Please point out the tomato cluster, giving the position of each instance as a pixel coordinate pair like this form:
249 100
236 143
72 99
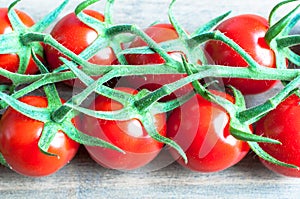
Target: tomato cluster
200 127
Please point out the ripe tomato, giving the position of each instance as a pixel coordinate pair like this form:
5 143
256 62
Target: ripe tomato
19 137
159 33
10 62
282 124
201 128
129 135
77 36
248 31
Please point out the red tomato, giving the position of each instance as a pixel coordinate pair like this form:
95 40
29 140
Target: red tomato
248 31
77 36
19 137
10 62
128 135
201 128
159 33
282 124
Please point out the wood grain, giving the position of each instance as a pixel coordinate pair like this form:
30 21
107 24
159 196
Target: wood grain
83 178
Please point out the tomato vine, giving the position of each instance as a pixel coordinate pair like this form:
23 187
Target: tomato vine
27 43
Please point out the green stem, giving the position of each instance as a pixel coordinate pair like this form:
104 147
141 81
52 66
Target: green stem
216 71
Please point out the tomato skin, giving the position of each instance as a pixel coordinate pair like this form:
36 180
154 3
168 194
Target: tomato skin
128 135
77 36
159 33
19 137
201 128
248 32
10 62
282 124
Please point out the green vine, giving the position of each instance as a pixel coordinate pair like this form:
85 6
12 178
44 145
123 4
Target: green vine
27 43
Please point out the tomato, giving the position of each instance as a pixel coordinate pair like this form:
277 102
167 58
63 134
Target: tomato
159 33
201 128
248 32
128 135
77 36
10 62
282 124
19 137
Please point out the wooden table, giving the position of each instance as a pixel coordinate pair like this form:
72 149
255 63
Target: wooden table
83 178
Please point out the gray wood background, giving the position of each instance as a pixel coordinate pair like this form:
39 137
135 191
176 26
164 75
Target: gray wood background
83 178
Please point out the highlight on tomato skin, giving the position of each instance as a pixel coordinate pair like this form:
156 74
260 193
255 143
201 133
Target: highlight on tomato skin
248 31
11 61
159 33
77 36
282 124
19 137
130 136
201 128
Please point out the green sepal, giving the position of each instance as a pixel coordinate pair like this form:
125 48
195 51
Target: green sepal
281 26
85 139
210 25
272 13
14 19
288 41
39 114
242 132
83 5
195 41
292 56
3 161
50 89
13 4
48 133
255 113
118 115
92 22
264 155
11 41
24 56
239 98
133 29
151 130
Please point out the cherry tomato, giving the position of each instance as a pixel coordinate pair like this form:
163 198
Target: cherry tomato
248 32
77 36
282 124
201 128
10 62
19 137
129 135
159 33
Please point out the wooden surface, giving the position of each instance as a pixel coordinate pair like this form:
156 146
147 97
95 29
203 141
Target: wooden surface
83 178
